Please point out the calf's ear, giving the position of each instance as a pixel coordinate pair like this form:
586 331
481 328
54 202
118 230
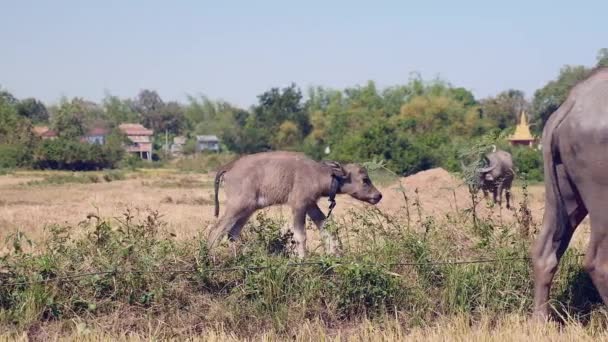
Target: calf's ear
336 169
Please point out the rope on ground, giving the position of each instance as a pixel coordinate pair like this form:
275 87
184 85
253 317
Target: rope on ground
263 267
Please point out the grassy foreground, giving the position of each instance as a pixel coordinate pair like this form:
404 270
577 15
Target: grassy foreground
459 328
140 282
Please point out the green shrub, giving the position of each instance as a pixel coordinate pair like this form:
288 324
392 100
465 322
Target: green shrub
74 155
365 289
528 162
13 156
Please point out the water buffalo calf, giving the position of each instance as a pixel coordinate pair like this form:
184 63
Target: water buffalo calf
272 178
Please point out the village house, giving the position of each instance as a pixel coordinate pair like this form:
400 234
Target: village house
96 136
140 138
45 132
177 147
207 143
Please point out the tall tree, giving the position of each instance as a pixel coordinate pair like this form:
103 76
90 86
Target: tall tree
70 119
148 101
505 108
33 109
7 97
553 94
157 115
274 108
119 111
602 57
13 128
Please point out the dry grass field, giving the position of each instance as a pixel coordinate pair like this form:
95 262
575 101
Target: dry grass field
185 200
31 202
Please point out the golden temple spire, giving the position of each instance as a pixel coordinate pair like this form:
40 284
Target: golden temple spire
522 131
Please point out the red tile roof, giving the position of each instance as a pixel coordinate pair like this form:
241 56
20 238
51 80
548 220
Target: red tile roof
98 131
44 131
135 129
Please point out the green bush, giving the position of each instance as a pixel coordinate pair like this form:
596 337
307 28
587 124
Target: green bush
528 162
77 156
12 156
365 289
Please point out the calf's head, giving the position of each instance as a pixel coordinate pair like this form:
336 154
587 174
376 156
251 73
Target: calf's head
356 182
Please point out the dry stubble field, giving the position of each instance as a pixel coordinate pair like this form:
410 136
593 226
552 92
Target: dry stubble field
185 200
29 203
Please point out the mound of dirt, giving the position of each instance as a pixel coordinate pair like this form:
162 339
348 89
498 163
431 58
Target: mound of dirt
436 178
435 192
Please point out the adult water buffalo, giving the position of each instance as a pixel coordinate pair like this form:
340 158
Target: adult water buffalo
574 145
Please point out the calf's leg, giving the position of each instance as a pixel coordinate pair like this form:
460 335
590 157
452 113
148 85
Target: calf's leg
231 222
299 229
329 238
243 217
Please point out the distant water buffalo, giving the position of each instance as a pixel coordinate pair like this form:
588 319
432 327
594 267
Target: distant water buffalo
574 145
497 176
264 179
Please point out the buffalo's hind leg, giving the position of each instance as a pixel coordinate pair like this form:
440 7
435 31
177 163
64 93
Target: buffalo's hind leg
596 258
552 242
231 224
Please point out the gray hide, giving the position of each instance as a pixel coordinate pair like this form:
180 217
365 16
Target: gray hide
497 176
273 178
574 145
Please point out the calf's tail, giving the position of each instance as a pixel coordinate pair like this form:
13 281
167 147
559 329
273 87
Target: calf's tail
218 179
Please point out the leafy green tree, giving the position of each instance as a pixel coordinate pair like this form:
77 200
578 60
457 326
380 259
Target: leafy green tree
383 140
16 137
602 57
287 136
553 94
366 97
504 109
431 113
275 107
7 98
33 110
157 115
119 111
464 96
148 101
70 120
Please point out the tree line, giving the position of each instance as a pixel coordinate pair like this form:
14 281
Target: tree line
414 126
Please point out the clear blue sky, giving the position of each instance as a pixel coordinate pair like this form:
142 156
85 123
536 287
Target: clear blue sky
235 50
